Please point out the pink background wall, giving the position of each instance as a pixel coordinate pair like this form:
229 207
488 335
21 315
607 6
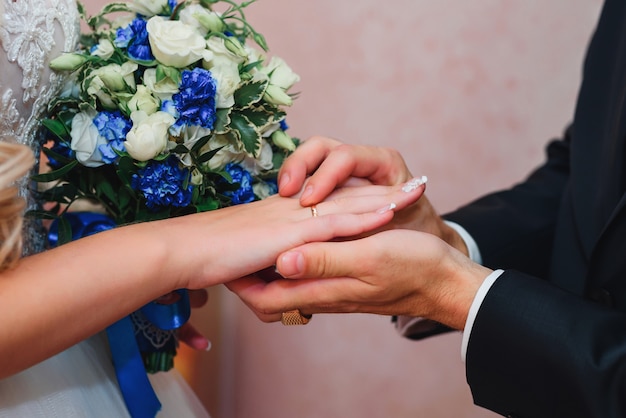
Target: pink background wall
469 91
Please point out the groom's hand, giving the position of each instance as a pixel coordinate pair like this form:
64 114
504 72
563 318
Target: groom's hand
330 164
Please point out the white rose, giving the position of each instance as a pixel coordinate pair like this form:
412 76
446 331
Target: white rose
86 140
148 136
117 78
228 80
104 49
143 100
149 8
98 89
164 89
202 19
224 67
281 74
175 43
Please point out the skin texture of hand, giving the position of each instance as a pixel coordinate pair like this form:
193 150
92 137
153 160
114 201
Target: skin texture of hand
389 273
74 291
331 164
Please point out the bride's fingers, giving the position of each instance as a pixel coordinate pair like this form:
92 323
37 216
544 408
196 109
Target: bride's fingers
189 335
368 198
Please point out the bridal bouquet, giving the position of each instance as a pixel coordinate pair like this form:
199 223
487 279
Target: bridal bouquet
170 108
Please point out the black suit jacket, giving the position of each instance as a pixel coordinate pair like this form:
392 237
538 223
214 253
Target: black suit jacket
550 337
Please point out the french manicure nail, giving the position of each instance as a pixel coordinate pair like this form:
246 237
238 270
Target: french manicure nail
387 208
414 184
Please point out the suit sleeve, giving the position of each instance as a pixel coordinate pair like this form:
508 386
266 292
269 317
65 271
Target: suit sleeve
538 351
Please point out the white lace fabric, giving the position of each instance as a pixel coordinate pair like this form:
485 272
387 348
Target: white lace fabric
80 381
31 33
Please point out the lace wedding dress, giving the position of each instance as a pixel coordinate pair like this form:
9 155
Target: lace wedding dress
79 382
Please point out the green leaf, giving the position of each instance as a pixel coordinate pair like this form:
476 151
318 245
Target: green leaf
125 171
57 128
200 143
65 230
207 205
61 193
250 93
222 121
258 116
56 174
180 149
248 133
207 156
40 214
62 159
107 190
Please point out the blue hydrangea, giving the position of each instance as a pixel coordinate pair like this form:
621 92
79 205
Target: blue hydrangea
134 38
195 100
244 194
113 126
162 184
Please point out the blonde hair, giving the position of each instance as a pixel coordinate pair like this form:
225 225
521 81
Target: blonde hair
15 161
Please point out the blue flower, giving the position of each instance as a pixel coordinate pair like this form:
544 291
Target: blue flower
113 126
283 125
195 101
172 4
134 38
244 194
162 184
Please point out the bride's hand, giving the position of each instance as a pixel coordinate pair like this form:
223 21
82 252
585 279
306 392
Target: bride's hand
321 164
233 242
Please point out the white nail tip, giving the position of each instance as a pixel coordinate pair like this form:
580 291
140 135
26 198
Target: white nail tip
414 184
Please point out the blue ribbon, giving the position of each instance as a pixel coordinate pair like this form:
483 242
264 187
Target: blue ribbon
139 396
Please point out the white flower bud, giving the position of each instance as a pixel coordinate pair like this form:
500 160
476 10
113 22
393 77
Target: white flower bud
282 140
143 100
68 62
148 136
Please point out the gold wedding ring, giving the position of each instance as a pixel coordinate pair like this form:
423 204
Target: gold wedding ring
314 211
295 317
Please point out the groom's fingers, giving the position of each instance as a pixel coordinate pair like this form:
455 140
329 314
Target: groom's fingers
325 260
304 161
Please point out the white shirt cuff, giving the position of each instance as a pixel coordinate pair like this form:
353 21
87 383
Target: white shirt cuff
471 315
472 247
